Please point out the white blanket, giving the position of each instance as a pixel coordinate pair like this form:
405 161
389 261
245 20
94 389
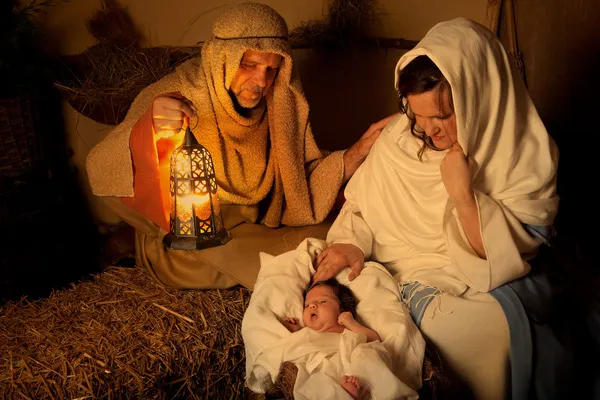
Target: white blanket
391 369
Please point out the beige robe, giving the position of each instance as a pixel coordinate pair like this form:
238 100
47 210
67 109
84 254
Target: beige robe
270 154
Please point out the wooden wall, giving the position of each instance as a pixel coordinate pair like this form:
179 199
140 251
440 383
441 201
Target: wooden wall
560 41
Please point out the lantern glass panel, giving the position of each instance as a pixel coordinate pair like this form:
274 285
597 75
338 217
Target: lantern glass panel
195 211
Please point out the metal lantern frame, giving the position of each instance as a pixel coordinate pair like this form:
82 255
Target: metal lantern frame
193 175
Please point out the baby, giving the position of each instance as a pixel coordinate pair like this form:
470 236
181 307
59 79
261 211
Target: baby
330 307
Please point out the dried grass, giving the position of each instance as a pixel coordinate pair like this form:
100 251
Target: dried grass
347 22
105 79
113 24
284 385
109 77
124 336
434 379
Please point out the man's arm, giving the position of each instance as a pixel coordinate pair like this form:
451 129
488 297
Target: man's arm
147 198
326 175
152 141
359 151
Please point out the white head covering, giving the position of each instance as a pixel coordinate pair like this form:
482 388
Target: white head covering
497 123
411 224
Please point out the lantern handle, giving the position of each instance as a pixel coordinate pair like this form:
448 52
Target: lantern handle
186 120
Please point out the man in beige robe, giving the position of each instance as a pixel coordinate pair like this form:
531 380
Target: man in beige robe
246 106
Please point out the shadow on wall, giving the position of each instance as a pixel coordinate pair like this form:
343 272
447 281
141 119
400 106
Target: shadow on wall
48 237
562 61
574 129
347 91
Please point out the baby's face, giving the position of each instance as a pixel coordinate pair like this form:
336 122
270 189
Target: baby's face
321 309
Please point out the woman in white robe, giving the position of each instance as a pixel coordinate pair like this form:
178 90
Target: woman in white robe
448 196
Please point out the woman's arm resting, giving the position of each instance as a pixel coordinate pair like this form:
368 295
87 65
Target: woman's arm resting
469 219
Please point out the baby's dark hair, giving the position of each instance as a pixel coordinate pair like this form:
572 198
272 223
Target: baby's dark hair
342 292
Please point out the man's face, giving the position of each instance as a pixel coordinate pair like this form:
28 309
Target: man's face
254 77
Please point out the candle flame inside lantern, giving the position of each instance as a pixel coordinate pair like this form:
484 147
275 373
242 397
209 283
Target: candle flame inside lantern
200 202
195 212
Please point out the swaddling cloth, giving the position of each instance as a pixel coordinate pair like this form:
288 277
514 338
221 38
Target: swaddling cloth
390 368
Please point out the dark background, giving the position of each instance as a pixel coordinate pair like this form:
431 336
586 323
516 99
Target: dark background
49 237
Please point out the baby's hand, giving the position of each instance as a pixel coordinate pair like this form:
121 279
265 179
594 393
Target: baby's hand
346 319
291 324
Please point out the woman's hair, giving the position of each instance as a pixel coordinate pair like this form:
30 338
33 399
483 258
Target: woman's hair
343 293
419 76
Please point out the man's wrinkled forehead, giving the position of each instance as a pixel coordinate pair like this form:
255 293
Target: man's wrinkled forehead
258 57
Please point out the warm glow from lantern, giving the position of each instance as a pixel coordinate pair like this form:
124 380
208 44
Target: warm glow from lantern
184 206
182 164
195 212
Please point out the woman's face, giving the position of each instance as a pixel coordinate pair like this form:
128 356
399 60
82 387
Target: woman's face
434 115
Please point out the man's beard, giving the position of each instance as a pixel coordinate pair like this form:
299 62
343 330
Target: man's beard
243 103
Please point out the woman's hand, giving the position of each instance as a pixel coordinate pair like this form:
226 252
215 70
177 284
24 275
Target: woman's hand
337 257
456 175
356 154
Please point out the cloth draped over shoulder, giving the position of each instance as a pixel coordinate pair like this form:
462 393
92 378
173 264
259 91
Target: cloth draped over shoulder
398 211
270 153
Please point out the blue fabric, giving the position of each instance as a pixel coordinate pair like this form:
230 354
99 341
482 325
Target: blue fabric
541 356
418 297
543 233
542 361
521 348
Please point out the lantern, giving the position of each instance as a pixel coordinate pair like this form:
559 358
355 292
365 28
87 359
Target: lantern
196 220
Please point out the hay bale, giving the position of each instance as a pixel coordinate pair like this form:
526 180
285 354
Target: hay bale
107 78
102 82
124 336
284 385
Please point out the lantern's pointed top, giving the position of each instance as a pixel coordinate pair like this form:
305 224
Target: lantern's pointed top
190 138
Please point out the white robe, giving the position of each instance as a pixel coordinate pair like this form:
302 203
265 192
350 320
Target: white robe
399 213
